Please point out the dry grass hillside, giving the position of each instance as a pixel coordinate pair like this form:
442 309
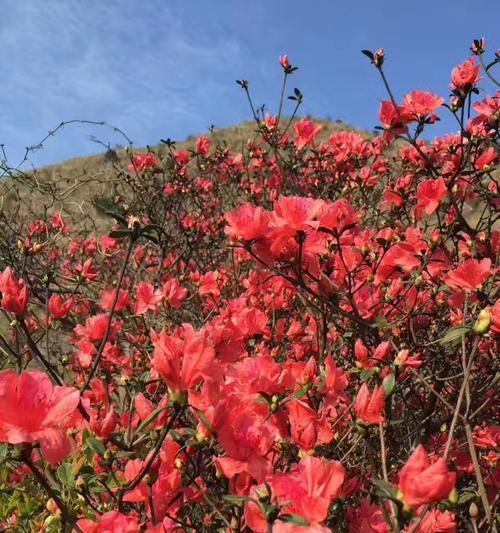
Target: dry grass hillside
72 186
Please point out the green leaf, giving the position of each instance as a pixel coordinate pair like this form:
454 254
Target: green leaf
294 519
302 391
382 323
388 384
96 445
367 374
204 419
149 419
455 334
65 474
238 500
385 489
465 497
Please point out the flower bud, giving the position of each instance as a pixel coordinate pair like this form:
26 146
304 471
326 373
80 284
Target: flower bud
473 511
284 62
52 506
178 397
37 248
478 46
379 57
483 322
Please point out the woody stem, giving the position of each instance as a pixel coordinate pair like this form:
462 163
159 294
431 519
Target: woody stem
65 513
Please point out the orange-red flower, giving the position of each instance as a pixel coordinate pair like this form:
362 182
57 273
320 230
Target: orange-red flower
469 275
142 162
58 308
305 131
110 522
307 490
14 293
32 410
247 222
421 481
182 359
203 144
434 521
466 75
430 193
419 104
369 406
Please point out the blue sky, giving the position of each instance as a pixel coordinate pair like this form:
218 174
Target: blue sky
166 68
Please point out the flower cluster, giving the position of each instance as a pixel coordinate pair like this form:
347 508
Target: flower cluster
301 337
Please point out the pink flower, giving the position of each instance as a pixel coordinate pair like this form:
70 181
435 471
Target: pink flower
487 157
307 490
419 104
58 308
182 359
110 522
147 298
32 410
430 193
174 293
369 406
247 222
143 162
203 144
469 275
14 293
305 131
466 75
421 482
284 62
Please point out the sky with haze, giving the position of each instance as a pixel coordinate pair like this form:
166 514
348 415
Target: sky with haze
167 68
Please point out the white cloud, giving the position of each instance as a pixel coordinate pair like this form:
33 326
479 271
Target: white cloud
129 63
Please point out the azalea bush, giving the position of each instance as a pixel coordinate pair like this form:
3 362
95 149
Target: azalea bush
300 337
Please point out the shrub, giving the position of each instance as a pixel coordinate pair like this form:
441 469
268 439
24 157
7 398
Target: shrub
298 337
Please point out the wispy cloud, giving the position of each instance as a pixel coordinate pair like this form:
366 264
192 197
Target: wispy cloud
135 67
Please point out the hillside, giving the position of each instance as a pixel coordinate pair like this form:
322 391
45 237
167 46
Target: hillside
71 187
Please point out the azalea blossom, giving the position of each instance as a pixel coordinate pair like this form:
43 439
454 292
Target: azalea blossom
421 481
465 75
32 410
430 193
469 275
305 132
369 406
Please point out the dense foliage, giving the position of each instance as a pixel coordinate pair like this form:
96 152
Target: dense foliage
300 337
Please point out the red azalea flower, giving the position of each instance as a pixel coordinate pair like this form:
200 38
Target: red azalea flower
284 62
421 481
430 193
142 162
110 522
147 298
32 410
203 144
369 406
469 275
183 359
58 308
14 293
419 104
305 131
434 521
487 157
307 490
247 222
466 75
